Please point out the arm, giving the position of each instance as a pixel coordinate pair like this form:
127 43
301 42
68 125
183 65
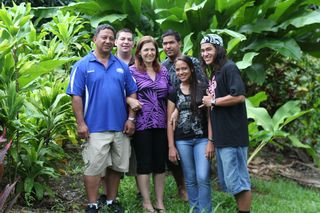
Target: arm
77 106
130 126
224 101
173 153
134 103
230 100
174 117
210 145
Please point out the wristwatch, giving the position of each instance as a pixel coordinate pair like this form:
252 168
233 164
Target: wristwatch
132 119
213 102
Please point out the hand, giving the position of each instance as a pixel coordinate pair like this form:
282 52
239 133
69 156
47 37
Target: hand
134 104
174 155
209 150
83 131
129 128
206 100
174 117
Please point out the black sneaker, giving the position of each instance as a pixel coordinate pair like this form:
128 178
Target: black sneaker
115 207
102 201
92 208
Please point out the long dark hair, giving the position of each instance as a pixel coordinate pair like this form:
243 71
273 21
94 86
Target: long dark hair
220 60
193 81
138 60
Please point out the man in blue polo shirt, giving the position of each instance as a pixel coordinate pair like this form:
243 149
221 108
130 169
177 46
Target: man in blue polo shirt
99 84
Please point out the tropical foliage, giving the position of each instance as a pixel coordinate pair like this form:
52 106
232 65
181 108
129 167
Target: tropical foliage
38 45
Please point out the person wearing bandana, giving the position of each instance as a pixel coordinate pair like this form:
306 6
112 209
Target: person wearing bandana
226 98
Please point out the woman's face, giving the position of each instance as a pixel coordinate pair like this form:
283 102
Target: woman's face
183 71
148 52
208 53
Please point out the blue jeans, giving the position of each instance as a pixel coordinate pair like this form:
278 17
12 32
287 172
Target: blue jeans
232 169
196 170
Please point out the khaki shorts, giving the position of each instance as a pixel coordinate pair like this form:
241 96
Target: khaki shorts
132 164
106 149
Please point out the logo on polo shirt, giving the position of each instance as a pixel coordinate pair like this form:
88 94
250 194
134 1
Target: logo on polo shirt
120 70
89 71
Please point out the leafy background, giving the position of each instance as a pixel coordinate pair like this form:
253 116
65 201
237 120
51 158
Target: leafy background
274 42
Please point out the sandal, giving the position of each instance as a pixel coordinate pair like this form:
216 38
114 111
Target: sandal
159 210
146 210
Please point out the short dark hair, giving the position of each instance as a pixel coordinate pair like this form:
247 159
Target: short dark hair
103 27
171 32
125 30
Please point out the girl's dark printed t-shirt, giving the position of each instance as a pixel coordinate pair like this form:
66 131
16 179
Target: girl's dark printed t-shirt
188 126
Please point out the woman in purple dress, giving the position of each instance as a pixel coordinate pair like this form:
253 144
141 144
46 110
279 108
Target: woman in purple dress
150 138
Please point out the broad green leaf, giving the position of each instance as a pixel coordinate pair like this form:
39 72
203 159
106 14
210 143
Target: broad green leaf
222 5
28 184
32 72
261 25
281 8
8 62
24 20
306 19
232 44
136 6
39 190
96 20
258 98
5 46
5 17
247 60
187 44
289 109
260 116
256 73
293 117
296 142
286 47
231 33
280 134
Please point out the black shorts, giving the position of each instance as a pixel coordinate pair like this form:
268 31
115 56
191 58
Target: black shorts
150 147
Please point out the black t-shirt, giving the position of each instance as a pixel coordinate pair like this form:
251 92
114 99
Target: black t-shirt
189 126
229 124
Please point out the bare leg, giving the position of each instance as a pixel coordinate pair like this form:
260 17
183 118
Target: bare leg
244 200
113 181
104 184
179 179
137 183
91 184
144 185
159 180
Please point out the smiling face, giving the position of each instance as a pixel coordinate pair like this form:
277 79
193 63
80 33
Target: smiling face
104 41
171 46
148 53
208 53
183 71
124 42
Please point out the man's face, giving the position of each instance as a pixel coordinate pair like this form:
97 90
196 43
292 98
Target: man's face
104 41
208 53
124 42
171 46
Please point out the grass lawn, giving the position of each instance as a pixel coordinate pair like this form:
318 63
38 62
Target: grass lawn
277 196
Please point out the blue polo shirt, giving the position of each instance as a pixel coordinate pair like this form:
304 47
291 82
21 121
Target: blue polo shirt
103 91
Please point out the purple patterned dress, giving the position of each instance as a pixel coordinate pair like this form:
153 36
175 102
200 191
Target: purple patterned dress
153 95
